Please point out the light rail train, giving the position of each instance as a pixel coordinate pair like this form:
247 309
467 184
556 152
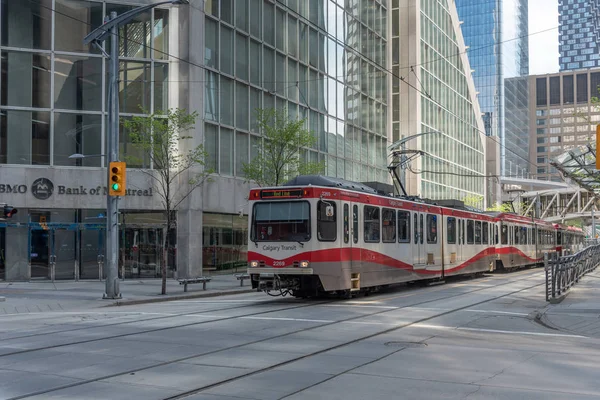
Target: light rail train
317 235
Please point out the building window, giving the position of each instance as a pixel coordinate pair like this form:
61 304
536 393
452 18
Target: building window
582 88
568 90
24 137
554 90
541 92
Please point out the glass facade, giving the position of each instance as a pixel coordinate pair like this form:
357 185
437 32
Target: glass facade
579 34
517 127
496 32
53 88
322 60
454 166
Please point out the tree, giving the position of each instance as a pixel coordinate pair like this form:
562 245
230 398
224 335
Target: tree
176 169
279 154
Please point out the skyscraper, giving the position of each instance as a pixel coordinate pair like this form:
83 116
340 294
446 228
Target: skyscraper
579 34
496 32
436 100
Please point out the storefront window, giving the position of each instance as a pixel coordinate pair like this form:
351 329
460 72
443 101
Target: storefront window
225 243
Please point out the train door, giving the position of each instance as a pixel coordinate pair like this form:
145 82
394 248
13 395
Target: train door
418 244
451 246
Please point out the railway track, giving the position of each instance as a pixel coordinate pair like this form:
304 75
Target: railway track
521 277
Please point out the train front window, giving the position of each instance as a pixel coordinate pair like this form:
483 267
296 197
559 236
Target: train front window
287 221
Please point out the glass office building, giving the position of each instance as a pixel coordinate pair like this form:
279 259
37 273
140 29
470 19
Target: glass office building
323 60
496 32
579 34
437 97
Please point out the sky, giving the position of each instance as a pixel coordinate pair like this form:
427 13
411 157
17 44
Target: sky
543 47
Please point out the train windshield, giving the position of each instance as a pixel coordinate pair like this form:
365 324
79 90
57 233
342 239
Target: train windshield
281 221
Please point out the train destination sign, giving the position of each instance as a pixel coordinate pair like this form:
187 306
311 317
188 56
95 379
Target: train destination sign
281 194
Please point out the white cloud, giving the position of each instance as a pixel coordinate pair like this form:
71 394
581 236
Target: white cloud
543 47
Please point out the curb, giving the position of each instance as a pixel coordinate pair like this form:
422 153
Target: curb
557 300
177 297
2 299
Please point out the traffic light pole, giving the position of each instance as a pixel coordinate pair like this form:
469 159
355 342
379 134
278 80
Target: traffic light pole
112 207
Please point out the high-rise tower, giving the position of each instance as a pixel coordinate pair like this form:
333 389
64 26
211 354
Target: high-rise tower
579 34
496 32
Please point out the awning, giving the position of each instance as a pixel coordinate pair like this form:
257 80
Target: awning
579 165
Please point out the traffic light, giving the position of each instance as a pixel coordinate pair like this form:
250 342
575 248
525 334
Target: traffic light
116 179
9 211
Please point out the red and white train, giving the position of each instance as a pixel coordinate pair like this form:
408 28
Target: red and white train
318 235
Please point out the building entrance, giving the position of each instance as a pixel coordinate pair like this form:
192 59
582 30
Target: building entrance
52 249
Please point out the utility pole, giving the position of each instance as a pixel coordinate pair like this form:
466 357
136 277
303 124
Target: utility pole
593 224
112 202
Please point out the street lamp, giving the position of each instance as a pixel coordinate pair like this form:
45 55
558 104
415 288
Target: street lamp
79 156
97 37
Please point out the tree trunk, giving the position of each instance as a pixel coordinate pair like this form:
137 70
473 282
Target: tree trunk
165 254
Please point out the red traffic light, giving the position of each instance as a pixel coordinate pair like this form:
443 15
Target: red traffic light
9 211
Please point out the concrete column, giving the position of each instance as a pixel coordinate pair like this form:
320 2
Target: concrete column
17 267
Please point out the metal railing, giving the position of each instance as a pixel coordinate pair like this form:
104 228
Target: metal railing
564 272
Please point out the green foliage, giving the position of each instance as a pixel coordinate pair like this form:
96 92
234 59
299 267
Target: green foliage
278 155
475 201
501 207
177 170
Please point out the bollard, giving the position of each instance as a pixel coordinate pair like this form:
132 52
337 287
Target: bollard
100 260
52 267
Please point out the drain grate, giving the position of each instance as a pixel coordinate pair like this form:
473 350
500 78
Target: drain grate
406 344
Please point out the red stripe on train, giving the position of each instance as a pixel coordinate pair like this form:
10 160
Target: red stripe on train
358 254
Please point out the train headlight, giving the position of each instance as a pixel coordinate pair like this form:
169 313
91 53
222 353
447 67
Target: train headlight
303 264
253 264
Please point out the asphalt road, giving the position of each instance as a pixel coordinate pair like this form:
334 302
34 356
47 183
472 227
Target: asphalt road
472 338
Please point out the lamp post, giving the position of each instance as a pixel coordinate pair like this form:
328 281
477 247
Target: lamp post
110 28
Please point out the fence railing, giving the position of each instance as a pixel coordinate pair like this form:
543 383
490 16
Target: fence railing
564 272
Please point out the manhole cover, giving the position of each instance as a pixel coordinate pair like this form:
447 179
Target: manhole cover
406 344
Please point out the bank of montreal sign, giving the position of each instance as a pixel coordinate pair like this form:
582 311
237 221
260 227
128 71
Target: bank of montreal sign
43 189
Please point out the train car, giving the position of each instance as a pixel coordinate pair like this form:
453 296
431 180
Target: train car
319 234
517 247
569 239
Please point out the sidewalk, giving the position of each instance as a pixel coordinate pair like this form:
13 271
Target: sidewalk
579 312
43 296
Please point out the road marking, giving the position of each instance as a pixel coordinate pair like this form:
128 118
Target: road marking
521 332
365 323
217 301
288 319
498 312
84 313
419 325
359 305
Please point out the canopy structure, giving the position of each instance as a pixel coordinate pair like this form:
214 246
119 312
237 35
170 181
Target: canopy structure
579 165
